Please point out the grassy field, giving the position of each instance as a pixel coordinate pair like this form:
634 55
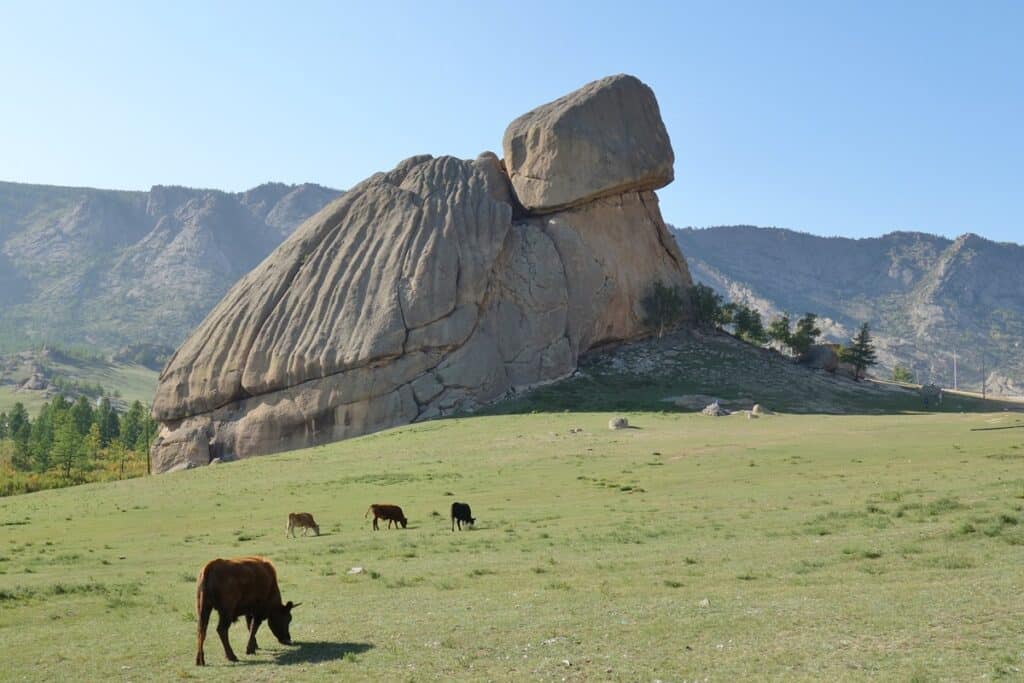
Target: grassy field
796 547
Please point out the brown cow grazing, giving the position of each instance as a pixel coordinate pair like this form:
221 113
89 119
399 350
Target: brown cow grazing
243 586
304 521
392 513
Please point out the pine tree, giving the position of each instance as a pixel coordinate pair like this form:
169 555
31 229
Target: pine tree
17 418
727 314
67 452
860 353
902 375
132 425
19 427
705 303
82 415
40 440
3 426
150 427
807 332
119 454
664 307
92 446
778 330
749 325
106 418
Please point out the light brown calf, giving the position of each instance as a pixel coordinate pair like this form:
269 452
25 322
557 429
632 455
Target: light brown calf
302 520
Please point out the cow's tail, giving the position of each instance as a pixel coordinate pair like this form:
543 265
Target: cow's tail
368 512
200 592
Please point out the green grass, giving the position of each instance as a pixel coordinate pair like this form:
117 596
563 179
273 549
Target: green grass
858 547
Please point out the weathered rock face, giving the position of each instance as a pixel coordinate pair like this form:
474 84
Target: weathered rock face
415 295
604 139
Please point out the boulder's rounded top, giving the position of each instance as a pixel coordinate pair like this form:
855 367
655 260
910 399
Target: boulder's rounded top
605 138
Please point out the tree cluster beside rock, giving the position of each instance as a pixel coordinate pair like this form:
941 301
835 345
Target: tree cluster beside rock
436 287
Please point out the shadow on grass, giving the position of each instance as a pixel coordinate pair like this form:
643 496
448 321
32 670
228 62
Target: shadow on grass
317 651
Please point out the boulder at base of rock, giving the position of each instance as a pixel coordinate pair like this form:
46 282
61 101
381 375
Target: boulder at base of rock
605 138
618 423
715 410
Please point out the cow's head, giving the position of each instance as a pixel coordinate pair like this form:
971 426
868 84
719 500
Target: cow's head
472 521
279 620
405 522
316 529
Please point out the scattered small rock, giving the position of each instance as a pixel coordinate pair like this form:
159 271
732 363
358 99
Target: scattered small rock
618 423
576 430
757 410
356 570
704 603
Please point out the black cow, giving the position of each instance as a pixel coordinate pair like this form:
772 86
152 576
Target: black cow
461 514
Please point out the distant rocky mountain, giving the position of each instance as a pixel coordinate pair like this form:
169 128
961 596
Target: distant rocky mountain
110 268
926 297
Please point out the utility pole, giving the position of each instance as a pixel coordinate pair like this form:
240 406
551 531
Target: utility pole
955 386
984 376
149 464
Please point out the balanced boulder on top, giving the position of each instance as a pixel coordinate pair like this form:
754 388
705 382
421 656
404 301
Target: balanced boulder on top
604 139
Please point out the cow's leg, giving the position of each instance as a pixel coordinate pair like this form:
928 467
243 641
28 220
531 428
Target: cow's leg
375 523
223 624
254 625
204 621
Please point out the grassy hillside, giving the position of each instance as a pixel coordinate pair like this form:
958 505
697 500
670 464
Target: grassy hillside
687 369
798 547
132 382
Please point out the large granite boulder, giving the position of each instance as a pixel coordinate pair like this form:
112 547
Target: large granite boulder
415 295
604 139
821 357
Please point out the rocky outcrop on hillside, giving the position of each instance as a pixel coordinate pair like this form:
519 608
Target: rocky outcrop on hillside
924 296
108 268
429 290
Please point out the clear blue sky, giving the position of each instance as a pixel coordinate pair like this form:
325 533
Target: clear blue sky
852 118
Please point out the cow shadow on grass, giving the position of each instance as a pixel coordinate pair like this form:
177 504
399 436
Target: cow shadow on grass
316 651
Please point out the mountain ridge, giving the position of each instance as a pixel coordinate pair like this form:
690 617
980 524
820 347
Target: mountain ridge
925 296
111 267
107 268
